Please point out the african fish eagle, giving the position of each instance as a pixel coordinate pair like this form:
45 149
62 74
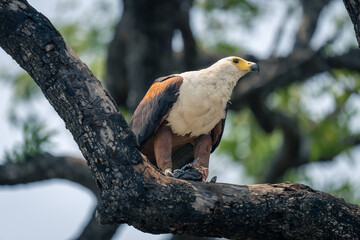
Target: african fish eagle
182 116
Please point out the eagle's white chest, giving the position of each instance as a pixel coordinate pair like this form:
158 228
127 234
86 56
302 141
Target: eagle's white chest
200 106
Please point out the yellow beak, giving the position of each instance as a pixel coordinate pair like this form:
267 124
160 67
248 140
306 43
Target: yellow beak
244 65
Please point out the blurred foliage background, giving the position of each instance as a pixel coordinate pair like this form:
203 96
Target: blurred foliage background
320 107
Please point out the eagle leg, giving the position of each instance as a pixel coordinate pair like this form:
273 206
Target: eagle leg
163 148
202 149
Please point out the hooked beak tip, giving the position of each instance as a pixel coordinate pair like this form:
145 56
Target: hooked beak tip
254 67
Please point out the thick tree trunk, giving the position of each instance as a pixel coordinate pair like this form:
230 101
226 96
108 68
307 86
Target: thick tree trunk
131 190
141 49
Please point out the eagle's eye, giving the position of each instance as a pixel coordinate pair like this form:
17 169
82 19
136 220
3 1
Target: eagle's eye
235 60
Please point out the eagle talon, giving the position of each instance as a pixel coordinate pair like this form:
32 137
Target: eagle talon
213 179
188 172
192 164
168 172
204 171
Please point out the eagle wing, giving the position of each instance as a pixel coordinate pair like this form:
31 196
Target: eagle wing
218 131
155 107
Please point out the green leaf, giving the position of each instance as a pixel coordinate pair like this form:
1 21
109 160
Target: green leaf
36 140
248 144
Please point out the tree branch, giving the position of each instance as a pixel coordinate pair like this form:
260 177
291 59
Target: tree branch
183 24
301 64
150 37
279 72
95 231
310 17
294 150
131 190
291 153
45 167
348 60
353 8
281 29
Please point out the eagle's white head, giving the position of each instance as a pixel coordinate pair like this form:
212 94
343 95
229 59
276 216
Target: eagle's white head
226 70
224 74
233 67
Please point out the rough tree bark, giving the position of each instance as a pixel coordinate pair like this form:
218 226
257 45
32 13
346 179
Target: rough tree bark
353 8
132 190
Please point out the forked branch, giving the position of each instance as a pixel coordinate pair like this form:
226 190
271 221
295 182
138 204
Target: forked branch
132 190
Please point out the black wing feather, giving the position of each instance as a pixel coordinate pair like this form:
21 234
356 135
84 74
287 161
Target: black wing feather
155 106
222 128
